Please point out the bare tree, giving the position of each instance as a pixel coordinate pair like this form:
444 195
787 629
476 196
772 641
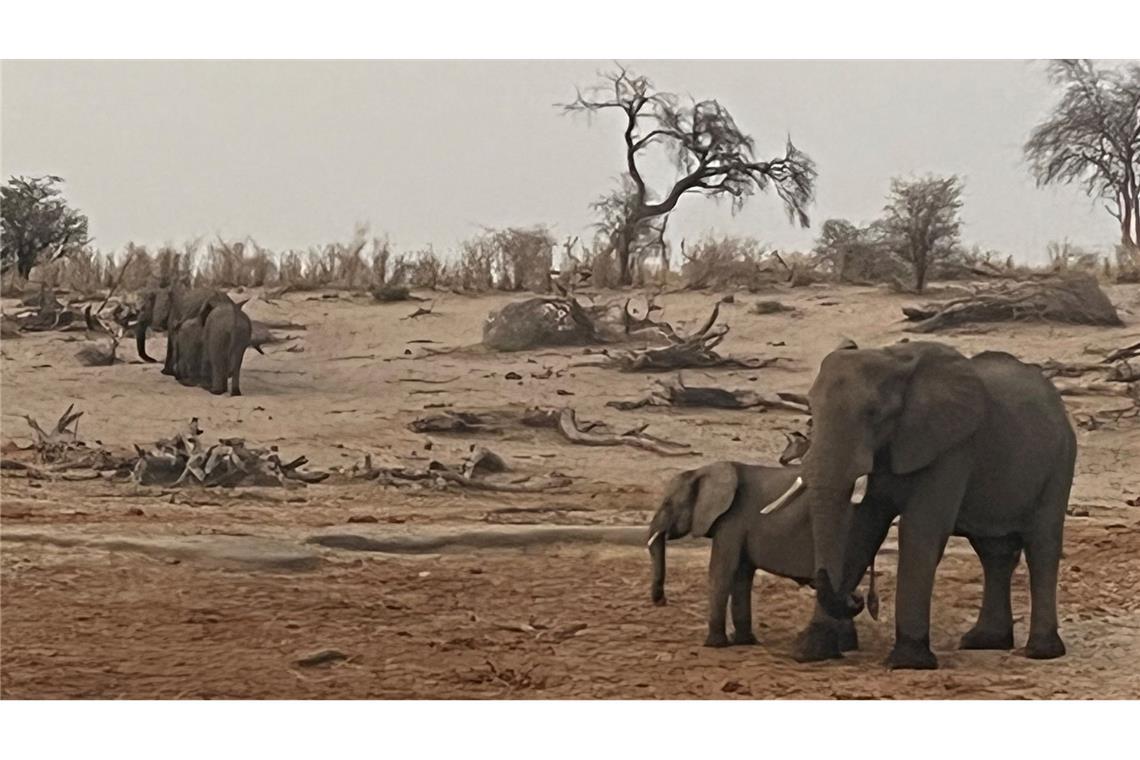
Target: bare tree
1093 137
710 153
921 223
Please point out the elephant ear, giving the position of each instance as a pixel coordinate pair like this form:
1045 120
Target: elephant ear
944 404
715 492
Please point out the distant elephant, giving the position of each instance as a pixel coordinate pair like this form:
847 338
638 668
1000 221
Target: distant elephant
979 447
189 366
752 525
166 308
226 334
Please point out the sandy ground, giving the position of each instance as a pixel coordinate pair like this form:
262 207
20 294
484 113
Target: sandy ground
86 613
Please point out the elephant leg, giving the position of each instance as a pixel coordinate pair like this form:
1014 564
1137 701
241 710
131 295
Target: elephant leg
235 382
994 629
171 352
1043 556
742 604
921 544
723 565
218 376
927 521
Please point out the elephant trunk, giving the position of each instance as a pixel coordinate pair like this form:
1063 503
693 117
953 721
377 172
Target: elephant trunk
140 340
835 471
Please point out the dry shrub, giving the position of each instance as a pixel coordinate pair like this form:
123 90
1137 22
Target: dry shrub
1067 257
525 257
1127 264
475 269
601 262
513 258
505 259
857 254
730 262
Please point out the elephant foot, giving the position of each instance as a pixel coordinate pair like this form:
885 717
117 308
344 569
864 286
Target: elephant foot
235 392
848 637
167 371
716 640
912 654
218 391
187 381
745 639
815 643
658 598
1045 647
981 638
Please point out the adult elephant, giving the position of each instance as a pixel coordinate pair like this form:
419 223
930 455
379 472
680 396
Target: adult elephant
165 308
977 447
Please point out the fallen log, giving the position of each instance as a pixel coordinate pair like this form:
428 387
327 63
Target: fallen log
676 393
442 475
1070 298
697 350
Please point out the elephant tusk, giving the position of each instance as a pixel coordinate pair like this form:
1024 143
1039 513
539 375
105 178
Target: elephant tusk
649 543
796 488
860 490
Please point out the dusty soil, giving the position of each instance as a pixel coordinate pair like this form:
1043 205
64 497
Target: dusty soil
101 596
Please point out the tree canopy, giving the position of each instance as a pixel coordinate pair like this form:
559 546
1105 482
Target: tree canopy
1092 137
36 221
710 153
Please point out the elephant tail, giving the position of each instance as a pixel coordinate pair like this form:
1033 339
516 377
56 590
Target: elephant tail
204 312
656 545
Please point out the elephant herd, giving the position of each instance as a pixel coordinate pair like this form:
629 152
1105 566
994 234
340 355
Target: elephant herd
207 334
979 447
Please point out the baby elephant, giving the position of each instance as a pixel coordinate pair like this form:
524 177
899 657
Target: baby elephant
187 352
226 334
755 522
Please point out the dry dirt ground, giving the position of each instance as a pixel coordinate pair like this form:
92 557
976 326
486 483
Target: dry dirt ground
111 590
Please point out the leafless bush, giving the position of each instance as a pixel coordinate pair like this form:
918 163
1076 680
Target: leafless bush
856 254
475 269
423 269
730 262
1127 264
601 262
525 257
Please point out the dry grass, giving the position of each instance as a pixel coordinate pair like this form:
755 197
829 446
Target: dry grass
511 259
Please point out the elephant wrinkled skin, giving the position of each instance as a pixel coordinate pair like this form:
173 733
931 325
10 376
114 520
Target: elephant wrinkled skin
979 447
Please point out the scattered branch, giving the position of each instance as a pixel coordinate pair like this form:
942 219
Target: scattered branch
676 393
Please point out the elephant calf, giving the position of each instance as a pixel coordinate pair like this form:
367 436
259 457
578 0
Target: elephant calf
187 348
755 523
226 333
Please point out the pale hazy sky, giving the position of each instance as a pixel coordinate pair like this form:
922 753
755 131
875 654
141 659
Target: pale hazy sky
297 153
